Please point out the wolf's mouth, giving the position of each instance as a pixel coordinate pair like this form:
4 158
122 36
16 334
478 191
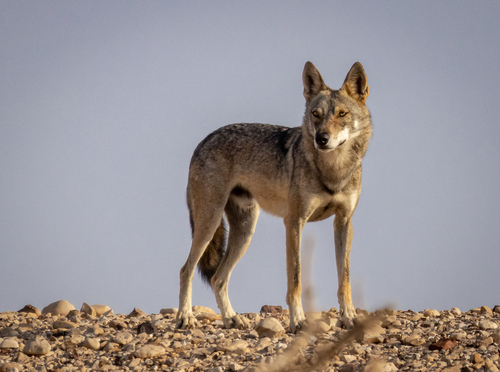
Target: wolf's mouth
341 143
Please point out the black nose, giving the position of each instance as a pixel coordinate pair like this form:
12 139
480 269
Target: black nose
322 139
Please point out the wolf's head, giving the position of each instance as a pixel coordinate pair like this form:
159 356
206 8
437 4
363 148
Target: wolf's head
335 117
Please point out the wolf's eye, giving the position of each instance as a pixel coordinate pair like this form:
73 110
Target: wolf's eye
315 113
342 113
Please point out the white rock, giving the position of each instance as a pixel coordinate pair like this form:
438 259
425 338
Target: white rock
455 311
150 351
270 327
123 338
92 343
37 347
87 309
61 307
487 324
101 309
202 309
169 311
431 313
9 343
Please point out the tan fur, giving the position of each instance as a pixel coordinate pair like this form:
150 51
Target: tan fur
301 174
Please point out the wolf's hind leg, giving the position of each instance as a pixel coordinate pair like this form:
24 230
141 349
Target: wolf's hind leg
242 212
202 235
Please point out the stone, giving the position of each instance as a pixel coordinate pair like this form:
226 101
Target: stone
271 309
101 309
487 324
136 313
11 367
431 313
9 343
496 309
372 334
456 311
150 351
37 347
61 307
270 327
92 343
169 311
443 344
320 326
123 338
147 327
87 309
202 309
414 340
62 324
486 310
30 309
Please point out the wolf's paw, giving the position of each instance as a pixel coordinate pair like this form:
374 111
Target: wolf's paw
236 321
297 325
185 321
347 317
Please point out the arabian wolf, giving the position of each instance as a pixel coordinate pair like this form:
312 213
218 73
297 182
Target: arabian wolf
300 174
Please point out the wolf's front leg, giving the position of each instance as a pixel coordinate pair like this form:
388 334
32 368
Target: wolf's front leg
343 239
294 293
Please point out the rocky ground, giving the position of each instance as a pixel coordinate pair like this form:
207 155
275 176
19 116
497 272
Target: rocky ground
61 338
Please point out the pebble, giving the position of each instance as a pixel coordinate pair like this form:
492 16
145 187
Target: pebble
447 340
61 307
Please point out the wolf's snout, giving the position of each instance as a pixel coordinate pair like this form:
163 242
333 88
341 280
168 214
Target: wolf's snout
322 139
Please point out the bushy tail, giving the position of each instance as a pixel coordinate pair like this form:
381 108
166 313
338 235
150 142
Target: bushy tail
212 257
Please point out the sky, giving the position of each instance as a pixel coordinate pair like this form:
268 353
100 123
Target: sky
103 103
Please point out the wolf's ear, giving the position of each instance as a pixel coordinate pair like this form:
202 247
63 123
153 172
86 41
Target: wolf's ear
313 82
356 83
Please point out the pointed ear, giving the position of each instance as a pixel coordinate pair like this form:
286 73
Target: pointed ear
356 83
313 82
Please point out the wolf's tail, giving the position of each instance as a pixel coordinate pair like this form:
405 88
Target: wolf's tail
212 257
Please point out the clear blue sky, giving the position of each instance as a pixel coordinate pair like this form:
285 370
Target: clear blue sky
102 104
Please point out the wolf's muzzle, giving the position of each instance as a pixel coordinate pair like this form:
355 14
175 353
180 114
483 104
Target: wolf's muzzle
322 139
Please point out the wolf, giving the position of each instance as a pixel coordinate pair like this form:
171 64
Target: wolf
301 174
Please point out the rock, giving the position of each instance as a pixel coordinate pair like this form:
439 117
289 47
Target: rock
444 344
270 327
348 358
10 367
496 309
9 343
92 343
202 309
62 324
136 313
271 309
87 309
414 340
101 309
373 334
147 327
169 311
486 310
431 313
30 309
487 324
61 307
123 338
237 346
150 351
37 347
455 311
